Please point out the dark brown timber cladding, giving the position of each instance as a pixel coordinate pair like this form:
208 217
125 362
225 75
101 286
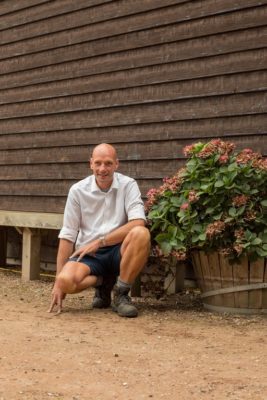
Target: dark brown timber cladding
149 76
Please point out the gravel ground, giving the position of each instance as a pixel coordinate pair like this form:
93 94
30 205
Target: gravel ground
173 350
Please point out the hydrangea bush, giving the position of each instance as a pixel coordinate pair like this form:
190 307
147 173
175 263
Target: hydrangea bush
218 201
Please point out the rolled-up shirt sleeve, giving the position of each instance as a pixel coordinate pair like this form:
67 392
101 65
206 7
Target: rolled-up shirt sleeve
72 218
134 205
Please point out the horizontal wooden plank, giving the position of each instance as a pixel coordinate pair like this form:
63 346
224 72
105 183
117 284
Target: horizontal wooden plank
222 85
145 169
136 40
70 9
45 11
31 220
211 107
15 5
44 189
154 150
79 30
165 16
245 125
35 188
31 203
194 49
78 27
219 65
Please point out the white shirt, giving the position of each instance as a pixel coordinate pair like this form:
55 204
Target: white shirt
91 213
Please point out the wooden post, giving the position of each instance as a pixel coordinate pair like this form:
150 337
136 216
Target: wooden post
136 288
174 281
31 246
3 245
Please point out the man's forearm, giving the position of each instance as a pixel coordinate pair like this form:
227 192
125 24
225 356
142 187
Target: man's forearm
65 250
119 234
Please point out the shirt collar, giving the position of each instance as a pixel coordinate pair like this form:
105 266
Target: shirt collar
114 185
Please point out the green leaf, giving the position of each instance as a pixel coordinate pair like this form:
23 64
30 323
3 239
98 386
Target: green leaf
264 203
175 200
261 252
241 210
256 241
166 247
202 236
232 166
172 230
210 210
232 212
219 183
195 238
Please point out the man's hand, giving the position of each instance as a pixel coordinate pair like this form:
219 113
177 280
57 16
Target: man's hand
90 248
57 298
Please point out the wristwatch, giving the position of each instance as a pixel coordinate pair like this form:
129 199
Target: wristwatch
102 241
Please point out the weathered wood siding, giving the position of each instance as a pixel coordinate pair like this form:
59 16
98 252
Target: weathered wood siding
149 76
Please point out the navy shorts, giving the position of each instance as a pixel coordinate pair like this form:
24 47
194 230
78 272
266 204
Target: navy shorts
106 260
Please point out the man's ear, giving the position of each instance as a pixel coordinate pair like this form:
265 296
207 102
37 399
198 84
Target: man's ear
90 163
117 164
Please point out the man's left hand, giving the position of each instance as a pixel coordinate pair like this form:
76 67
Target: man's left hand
90 248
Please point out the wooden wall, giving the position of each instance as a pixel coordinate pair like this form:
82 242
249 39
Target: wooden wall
148 76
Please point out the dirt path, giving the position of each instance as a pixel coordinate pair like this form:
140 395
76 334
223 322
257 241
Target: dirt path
171 351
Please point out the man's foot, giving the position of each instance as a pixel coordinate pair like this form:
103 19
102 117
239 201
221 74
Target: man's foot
122 303
102 297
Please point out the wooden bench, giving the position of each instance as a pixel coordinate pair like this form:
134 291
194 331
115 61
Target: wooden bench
29 224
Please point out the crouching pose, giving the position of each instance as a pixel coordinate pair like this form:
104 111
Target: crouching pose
104 218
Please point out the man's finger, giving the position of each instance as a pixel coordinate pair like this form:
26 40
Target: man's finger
52 306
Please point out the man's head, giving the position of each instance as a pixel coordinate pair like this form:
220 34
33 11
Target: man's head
104 163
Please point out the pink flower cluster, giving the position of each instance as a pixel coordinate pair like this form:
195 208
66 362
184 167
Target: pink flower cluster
239 233
246 156
250 215
215 229
179 255
152 195
217 146
260 163
239 201
226 251
184 206
169 184
193 196
189 150
238 248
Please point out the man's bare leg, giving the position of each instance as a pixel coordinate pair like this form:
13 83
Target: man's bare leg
73 278
134 250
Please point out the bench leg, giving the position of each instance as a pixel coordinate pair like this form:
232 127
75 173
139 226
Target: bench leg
3 246
136 288
174 281
31 246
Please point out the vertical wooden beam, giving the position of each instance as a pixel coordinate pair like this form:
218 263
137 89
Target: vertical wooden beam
174 280
31 246
3 245
136 288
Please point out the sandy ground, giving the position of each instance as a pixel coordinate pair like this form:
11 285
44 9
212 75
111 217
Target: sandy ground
173 350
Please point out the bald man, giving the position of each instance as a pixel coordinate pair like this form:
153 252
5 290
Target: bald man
103 241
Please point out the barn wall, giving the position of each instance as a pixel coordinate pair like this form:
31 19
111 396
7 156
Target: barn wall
149 76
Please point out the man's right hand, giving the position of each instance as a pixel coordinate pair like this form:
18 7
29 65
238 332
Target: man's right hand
57 298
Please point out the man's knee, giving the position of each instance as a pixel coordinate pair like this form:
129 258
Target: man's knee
66 283
140 235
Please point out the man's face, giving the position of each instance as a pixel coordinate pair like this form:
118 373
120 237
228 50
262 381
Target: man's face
103 165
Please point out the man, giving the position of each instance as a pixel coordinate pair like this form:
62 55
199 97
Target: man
104 216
